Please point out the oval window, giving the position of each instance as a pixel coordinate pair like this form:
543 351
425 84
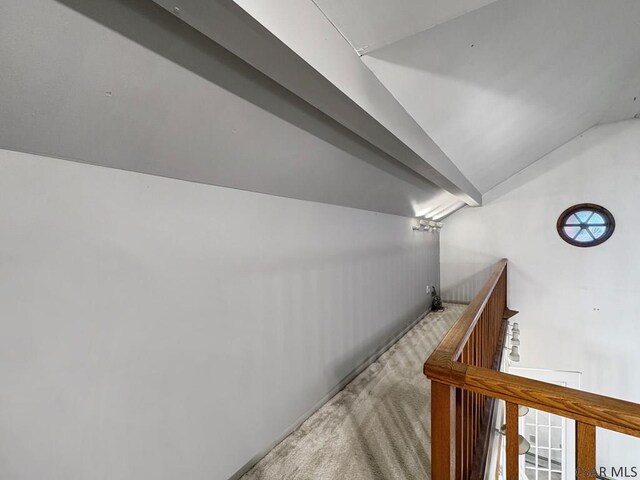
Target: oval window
586 225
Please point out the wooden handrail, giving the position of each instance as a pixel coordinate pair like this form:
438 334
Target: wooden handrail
599 410
456 375
593 409
442 364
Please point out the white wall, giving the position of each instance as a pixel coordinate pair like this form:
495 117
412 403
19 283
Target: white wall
159 329
578 306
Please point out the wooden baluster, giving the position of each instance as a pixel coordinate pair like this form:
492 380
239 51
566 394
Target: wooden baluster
585 451
483 339
469 429
488 343
443 431
512 441
459 438
476 427
472 400
495 335
472 436
467 424
465 430
503 306
494 346
463 424
469 421
474 422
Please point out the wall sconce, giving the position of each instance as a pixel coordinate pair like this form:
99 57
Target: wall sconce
422 225
514 342
428 226
514 355
523 445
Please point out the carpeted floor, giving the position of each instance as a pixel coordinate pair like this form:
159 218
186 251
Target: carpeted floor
377 427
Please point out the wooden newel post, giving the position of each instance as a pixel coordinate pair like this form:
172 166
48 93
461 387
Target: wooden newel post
443 431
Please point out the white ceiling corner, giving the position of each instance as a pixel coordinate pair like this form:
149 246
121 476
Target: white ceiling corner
503 85
371 24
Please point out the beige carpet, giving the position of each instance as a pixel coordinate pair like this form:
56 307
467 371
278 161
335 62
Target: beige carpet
377 427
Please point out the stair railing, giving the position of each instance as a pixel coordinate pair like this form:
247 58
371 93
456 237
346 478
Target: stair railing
466 382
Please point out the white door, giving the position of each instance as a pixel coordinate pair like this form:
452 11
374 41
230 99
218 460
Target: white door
552 438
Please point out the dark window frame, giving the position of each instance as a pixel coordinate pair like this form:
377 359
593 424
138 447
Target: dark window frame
610 224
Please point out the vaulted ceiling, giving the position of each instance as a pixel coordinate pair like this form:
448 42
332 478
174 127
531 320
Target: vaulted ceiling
412 107
497 85
128 84
125 84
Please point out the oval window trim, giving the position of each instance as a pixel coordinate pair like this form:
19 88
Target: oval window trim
569 220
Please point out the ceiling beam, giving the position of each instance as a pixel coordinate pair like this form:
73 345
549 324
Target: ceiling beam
318 65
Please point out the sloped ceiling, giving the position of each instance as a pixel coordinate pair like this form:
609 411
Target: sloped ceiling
491 86
294 44
500 86
163 99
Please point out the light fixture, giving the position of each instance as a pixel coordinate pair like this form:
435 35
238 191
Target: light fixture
435 226
522 410
514 356
514 341
515 329
523 445
422 225
425 225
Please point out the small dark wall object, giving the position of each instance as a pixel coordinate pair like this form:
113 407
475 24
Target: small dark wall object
436 303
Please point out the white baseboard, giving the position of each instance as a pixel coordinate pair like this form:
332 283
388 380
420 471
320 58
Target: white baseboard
343 383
